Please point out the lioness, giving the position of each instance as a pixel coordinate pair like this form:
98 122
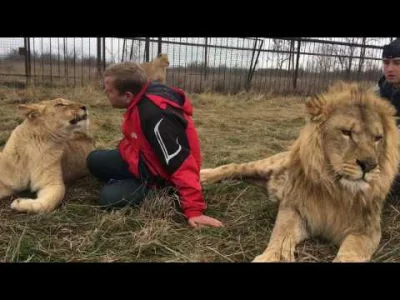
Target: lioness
156 70
45 152
334 179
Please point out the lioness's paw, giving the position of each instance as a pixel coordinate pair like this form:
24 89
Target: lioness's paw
27 205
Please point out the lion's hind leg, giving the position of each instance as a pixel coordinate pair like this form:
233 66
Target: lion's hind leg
254 171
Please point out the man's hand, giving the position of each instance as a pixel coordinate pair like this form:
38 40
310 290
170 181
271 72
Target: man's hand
201 220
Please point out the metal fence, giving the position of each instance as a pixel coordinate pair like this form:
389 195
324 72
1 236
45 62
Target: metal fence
226 65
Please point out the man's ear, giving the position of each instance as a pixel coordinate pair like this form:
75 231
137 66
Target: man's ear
30 111
129 94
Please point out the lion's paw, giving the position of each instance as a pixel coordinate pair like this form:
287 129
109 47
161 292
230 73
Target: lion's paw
349 258
273 256
267 257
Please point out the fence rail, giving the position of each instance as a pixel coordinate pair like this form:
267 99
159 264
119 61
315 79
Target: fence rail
226 65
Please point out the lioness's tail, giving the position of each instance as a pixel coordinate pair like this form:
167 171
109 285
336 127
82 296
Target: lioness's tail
259 169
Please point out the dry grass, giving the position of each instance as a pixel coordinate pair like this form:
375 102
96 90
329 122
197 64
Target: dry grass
241 127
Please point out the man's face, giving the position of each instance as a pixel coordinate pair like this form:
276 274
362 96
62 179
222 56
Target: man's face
116 99
391 68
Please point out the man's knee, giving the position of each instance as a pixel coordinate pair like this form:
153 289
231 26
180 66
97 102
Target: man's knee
109 199
96 162
91 160
111 196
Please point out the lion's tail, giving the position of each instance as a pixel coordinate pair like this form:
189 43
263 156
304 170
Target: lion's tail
253 171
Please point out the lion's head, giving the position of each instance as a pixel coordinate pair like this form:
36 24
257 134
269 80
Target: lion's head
56 116
351 138
163 60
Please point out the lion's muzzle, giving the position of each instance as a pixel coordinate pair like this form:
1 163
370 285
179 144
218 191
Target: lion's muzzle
367 165
78 117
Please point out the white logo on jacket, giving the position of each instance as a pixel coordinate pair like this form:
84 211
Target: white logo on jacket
167 156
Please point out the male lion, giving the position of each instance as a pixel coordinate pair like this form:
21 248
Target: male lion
333 180
45 152
157 68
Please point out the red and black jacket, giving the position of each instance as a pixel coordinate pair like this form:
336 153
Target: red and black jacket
161 144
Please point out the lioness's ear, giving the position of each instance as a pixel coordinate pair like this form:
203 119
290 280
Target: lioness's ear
29 111
314 107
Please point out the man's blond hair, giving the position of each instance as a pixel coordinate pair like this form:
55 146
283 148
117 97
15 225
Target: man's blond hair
128 76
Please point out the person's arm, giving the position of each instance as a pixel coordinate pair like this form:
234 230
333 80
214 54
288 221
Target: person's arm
165 130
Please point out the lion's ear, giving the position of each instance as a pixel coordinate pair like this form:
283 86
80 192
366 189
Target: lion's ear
30 111
315 107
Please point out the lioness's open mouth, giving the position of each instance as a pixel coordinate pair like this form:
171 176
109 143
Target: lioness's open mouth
78 119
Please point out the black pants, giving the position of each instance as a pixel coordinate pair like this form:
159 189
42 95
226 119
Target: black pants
122 188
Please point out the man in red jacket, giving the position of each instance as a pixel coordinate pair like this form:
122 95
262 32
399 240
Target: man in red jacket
160 146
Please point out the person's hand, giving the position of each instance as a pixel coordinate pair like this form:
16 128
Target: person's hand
201 220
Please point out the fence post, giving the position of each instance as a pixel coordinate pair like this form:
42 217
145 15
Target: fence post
131 54
147 49
205 57
98 57
27 46
66 61
123 50
296 70
159 45
104 53
51 67
362 57
253 67
291 55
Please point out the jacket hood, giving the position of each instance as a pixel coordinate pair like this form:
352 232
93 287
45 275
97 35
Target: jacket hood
172 95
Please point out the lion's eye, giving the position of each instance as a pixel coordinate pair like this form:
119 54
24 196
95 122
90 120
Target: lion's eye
60 104
378 138
346 132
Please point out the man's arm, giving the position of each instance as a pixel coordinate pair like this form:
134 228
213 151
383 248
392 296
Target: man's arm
165 130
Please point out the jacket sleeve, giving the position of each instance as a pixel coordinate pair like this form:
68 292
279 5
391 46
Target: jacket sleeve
165 131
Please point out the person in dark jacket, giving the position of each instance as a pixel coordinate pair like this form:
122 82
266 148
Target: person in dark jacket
389 84
160 146
389 89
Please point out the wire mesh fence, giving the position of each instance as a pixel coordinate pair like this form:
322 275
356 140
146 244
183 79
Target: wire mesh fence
226 65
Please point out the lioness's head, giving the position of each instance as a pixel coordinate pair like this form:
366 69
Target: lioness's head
352 135
163 59
57 115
